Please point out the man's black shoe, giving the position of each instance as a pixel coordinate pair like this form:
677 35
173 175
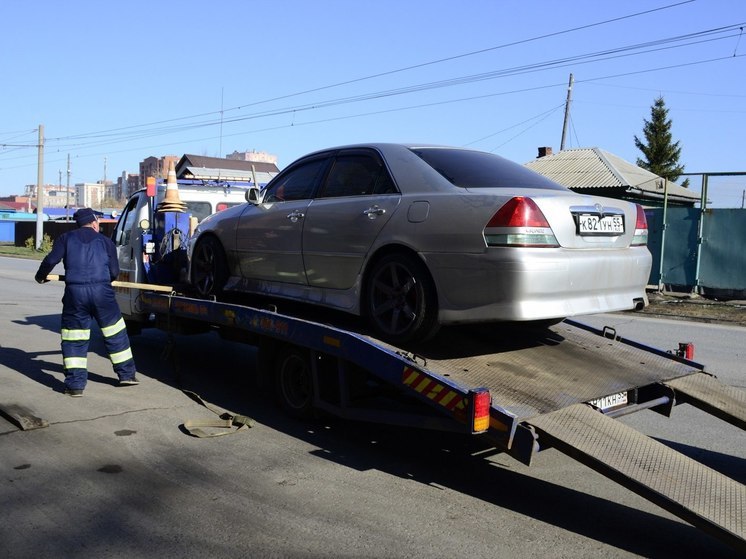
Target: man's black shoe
73 392
129 382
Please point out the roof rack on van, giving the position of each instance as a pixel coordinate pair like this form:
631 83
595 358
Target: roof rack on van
217 183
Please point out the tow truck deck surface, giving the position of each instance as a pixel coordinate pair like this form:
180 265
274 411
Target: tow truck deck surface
560 388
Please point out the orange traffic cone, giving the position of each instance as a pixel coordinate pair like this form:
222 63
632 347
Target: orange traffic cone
171 202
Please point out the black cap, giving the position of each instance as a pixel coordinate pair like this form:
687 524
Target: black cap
84 216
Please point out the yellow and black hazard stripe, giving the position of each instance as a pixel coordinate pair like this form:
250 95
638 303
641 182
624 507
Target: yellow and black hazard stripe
434 390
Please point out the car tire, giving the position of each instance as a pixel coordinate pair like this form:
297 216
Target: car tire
400 300
209 268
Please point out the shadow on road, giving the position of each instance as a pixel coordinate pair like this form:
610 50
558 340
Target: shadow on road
223 373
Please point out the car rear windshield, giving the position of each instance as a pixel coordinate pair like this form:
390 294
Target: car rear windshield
477 169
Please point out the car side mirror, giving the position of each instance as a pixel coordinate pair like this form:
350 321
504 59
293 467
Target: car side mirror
253 195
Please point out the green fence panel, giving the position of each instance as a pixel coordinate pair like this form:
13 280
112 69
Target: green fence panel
679 270
722 268
654 217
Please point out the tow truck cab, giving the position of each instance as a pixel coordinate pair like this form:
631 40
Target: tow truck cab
136 225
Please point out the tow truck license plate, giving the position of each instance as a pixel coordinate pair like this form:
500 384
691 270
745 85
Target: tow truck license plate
589 224
611 401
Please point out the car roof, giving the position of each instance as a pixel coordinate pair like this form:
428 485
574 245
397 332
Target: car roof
412 174
383 147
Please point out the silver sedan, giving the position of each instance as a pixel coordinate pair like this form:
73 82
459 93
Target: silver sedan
412 237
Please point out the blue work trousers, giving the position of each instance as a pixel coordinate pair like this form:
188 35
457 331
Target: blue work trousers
80 304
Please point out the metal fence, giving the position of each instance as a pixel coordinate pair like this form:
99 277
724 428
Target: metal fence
699 251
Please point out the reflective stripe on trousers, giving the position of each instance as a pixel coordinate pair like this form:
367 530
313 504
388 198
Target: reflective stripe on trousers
81 303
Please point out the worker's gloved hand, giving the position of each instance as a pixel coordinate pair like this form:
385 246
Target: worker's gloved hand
41 279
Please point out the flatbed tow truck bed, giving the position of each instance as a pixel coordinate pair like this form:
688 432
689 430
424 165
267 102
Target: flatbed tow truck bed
561 387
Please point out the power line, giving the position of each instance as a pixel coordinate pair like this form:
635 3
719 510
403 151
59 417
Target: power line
598 56
539 116
467 54
359 115
526 129
391 72
170 126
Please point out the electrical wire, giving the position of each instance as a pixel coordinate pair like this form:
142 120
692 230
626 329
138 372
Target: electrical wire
177 125
400 70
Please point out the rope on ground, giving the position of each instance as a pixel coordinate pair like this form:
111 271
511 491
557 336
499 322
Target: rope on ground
226 421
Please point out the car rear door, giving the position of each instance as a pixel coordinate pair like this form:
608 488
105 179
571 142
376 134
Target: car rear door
351 208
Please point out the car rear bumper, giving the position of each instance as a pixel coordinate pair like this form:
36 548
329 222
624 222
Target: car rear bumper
518 284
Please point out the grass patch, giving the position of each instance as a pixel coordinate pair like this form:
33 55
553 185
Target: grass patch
21 252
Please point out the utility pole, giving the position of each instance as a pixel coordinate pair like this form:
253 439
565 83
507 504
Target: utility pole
220 148
103 190
67 205
40 190
567 112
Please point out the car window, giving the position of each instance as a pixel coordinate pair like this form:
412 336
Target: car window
477 169
297 184
123 230
356 175
225 205
200 210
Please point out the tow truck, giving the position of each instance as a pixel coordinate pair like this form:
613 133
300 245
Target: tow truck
562 387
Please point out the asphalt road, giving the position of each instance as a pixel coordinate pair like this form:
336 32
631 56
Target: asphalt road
114 474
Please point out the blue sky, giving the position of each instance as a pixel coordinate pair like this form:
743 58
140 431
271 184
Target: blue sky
114 83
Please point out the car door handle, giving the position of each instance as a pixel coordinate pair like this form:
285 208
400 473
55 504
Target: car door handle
374 211
295 215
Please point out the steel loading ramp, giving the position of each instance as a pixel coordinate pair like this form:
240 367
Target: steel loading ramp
708 394
695 493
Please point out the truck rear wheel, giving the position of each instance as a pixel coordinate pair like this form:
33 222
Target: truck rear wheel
294 381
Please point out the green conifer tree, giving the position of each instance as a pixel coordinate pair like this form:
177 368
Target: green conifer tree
661 152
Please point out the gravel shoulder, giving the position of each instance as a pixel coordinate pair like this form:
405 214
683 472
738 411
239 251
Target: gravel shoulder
696 308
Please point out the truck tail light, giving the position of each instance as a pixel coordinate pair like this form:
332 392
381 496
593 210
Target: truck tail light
641 228
519 222
481 401
686 350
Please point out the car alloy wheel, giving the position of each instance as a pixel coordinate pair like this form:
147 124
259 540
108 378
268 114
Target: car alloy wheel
400 301
209 270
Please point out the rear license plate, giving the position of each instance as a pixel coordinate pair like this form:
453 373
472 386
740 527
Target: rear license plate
611 401
589 224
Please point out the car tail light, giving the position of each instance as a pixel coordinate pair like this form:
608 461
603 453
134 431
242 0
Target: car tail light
641 228
519 222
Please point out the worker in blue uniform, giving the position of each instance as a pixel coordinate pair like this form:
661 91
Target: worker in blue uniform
91 264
